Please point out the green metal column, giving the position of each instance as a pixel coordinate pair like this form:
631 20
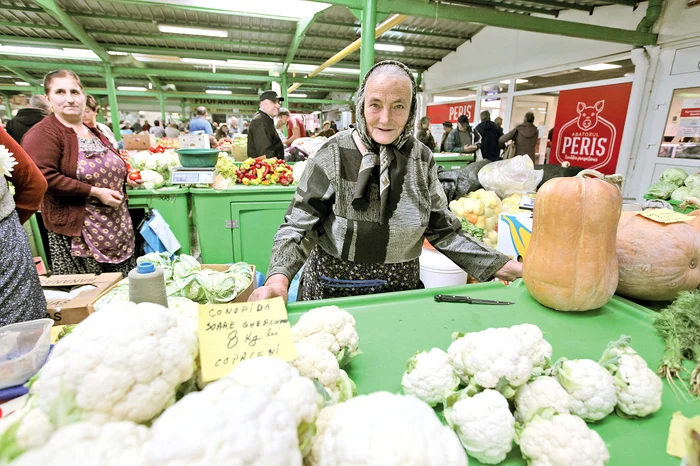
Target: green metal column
369 23
8 107
113 108
161 100
283 85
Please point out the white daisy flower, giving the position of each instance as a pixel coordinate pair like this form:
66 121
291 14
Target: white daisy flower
7 161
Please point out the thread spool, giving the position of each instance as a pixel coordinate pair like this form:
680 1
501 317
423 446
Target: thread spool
147 285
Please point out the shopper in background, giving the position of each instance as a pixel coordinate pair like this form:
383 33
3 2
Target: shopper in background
84 208
222 132
171 131
326 131
462 139
262 134
489 133
146 127
334 126
92 109
136 127
365 203
295 126
21 297
447 128
424 135
245 127
200 123
157 130
234 129
524 135
27 117
499 123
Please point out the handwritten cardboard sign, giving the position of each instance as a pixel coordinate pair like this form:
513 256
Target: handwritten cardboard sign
234 332
665 216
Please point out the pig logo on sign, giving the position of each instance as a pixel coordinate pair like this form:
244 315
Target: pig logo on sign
588 116
587 140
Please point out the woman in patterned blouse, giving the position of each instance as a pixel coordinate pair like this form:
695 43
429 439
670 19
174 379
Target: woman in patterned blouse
84 209
365 203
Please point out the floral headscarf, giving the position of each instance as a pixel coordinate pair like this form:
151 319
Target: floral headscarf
387 152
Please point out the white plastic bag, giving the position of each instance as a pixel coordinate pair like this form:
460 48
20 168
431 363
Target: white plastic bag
512 176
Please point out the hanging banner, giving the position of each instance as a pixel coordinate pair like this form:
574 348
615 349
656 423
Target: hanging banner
438 113
588 127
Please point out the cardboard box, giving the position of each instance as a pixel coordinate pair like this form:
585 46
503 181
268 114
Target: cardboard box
194 141
136 141
243 296
240 153
73 311
514 231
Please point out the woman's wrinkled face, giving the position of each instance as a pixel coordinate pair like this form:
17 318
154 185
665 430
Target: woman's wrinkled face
387 106
66 98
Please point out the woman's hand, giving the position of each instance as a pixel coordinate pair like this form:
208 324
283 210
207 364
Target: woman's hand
511 271
469 148
134 183
108 197
275 286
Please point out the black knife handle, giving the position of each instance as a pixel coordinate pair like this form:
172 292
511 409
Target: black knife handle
446 298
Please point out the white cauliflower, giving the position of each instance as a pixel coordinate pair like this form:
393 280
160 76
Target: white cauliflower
331 328
322 422
430 377
539 350
484 425
152 179
489 356
22 431
638 388
123 363
320 364
385 429
286 384
591 388
454 355
563 440
540 395
226 424
186 310
110 444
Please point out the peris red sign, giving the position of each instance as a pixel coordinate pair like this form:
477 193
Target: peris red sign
450 112
589 125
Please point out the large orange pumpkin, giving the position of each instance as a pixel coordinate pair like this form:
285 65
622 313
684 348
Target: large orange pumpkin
571 264
656 260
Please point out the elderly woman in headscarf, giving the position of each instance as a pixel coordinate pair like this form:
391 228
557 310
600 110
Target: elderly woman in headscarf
366 201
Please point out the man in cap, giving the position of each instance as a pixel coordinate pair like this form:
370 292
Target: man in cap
262 135
447 128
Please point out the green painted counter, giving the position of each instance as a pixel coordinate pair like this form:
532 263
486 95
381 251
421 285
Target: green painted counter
453 162
239 223
393 326
173 206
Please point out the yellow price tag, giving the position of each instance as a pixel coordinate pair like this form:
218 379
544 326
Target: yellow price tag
233 332
665 216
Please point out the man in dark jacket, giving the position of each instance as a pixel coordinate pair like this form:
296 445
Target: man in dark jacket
489 136
525 136
262 135
27 117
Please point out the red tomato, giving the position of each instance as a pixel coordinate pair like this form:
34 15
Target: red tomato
135 176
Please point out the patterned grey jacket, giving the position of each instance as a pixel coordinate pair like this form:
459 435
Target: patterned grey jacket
321 212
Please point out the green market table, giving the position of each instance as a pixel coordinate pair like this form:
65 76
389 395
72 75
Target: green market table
393 326
453 161
172 204
239 223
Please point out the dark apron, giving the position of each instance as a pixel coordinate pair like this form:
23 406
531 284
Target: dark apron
326 276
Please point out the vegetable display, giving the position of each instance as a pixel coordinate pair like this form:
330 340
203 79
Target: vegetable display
264 171
571 263
430 377
163 161
480 209
656 260
329 328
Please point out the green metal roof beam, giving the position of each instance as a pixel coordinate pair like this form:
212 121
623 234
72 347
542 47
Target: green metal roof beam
302 27
73 27
202 75
507 6
23 75
384 41
187 53
44 66
43 27
563 5
21 40
442 35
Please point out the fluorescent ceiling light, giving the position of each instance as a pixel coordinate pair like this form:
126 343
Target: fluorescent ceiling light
218 91
517 81
22 83
301 68
297 96
79 54
542 108
281 9
112 52
600 67
389 47
6 76
192 31
132 88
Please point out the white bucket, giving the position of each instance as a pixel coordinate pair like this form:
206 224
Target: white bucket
438 270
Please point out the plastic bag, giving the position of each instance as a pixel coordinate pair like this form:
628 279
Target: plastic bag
309 145
513 176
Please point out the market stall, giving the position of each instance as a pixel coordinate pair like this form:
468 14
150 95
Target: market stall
172 204
453 161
